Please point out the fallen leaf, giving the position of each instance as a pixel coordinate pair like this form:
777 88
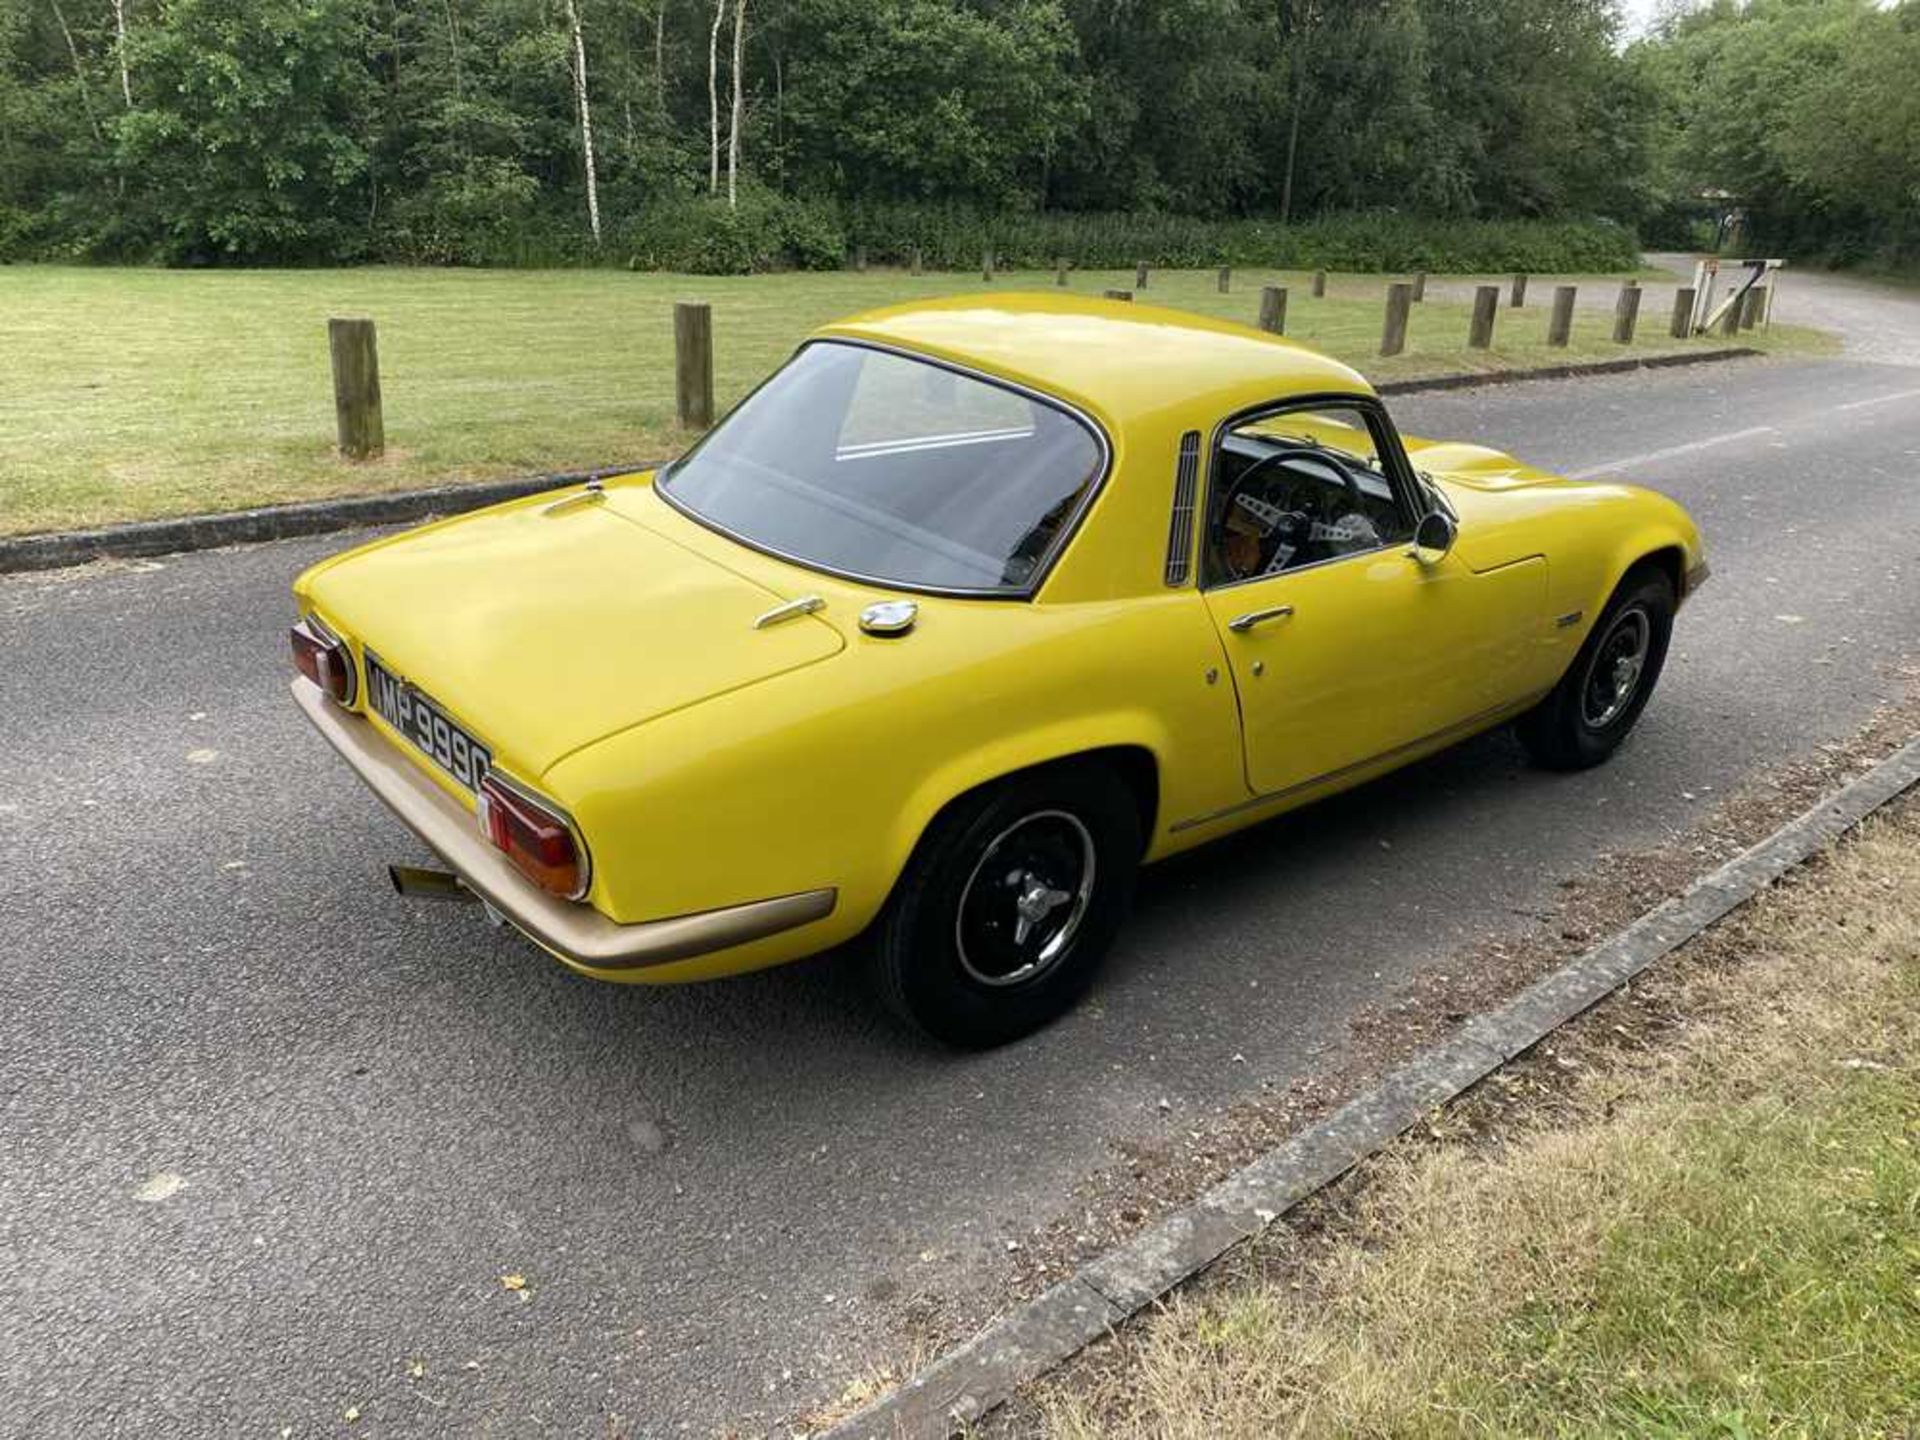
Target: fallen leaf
163 1186
514 1282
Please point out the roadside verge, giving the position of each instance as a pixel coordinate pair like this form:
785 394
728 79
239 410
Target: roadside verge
141 538
983 1372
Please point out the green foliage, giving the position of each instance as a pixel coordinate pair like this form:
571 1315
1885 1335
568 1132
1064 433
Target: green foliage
450 132
952 237
928 99
706 237
1801 113
253 143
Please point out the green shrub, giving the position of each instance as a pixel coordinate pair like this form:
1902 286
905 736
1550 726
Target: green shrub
956 238
705 236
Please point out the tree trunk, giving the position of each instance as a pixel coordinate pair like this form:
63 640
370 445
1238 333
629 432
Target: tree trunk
586 118
120 49
453 54
739 102
713 99
79 72
1293 135
660 57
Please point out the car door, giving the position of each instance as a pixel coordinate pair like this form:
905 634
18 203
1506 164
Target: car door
1344 647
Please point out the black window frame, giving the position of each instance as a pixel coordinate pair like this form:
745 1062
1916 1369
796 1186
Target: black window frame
1398 470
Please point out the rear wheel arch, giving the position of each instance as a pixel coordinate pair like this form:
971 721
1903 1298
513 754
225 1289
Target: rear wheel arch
1134 767
978 954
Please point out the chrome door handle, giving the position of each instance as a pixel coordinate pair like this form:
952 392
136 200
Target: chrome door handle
1240 624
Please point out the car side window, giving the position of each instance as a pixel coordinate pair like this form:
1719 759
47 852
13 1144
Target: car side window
1293 488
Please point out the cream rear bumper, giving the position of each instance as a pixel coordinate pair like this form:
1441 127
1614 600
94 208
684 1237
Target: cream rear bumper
576 933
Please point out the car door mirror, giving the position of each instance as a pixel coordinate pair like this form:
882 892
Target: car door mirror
1433 537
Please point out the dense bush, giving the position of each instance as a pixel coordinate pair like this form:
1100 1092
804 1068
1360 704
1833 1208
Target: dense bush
774 232
950 238
705 237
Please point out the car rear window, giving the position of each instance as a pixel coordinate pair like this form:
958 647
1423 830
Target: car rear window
884 467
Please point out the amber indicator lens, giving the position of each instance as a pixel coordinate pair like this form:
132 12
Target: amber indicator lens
538 842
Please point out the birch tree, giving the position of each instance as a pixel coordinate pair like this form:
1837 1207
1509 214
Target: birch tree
586 117
739 102
79 70
120 49
713 99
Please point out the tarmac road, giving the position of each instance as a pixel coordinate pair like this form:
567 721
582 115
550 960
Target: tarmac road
272 1136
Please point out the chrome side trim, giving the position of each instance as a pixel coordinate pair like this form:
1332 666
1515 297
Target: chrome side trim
1484 720
1186 490
574 932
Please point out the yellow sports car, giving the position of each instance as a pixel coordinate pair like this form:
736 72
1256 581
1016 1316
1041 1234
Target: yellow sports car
969 610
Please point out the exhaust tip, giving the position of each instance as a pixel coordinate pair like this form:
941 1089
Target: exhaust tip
420 883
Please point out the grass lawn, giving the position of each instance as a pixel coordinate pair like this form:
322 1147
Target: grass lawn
128 393
1712 1229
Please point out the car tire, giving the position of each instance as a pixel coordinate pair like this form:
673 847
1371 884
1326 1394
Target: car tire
1591 711
1009 904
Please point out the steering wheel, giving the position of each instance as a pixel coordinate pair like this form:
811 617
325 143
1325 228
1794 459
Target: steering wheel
1284 524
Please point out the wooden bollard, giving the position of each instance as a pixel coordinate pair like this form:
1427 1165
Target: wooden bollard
1486 305
1750 306
1319 284
1060 270
1560 322
1119 294
1224 282
1730 318
1519 296
357 415
1140 276
1419 286
1393 334
917 265
1273 309
860 259
693 364
986 266
1682 324
1626 313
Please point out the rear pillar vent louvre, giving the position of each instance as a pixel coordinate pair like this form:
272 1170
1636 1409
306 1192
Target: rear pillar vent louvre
1186 484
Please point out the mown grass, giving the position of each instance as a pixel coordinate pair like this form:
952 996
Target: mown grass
1720 1237
128 393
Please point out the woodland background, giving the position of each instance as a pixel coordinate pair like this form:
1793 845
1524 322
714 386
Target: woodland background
737 135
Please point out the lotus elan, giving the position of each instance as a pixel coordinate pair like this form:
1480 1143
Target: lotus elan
971 609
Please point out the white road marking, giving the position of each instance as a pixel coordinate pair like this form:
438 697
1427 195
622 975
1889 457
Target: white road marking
1879 400
1634 462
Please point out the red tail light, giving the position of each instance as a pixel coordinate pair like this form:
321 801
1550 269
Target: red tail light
535 837
323 658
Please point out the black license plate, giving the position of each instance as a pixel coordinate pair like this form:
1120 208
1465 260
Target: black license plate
423 722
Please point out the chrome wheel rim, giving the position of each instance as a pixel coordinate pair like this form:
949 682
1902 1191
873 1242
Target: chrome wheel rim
1024 899
1614 674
